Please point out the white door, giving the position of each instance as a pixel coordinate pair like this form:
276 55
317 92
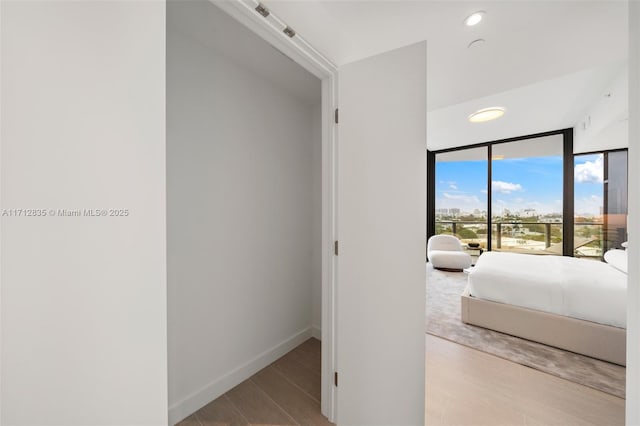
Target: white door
382 229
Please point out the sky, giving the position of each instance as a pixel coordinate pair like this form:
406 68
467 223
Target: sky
589 186
518 184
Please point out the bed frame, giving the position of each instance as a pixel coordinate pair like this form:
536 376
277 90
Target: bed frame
584 337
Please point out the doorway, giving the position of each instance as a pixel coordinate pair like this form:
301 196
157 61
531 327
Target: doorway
245 203
543 168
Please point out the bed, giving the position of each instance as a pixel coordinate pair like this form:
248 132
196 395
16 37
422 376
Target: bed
573 304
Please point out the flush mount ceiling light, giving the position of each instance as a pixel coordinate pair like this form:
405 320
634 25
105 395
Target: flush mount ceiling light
474 18
486 114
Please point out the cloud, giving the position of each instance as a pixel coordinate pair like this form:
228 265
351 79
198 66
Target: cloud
590 171
461 197
452 184
505 187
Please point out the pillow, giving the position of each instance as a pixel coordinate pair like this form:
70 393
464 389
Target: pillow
617 258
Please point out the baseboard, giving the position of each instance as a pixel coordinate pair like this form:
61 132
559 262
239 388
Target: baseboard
198 399
316 332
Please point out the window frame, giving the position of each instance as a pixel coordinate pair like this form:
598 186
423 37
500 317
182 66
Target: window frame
567 184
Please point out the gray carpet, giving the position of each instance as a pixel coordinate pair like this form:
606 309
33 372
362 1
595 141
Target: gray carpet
443 320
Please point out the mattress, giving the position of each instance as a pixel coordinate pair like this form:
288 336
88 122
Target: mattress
583 289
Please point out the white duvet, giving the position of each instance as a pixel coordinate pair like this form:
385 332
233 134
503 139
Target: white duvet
578 288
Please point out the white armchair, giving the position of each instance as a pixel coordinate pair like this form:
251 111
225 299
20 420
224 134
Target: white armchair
445 252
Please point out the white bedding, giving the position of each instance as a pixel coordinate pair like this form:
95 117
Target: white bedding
578 288
617 258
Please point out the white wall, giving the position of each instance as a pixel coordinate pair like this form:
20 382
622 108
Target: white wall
604 125
83 298
633 314
240 179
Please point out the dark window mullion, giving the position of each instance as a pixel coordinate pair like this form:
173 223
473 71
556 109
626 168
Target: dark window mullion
489 196
568 193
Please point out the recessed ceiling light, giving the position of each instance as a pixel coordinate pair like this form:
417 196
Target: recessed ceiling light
474 18
486 114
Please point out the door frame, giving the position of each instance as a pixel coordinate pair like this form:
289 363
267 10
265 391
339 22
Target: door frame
270 28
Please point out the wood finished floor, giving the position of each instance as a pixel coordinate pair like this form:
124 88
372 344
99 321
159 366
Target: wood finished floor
466 387
285 393
470 387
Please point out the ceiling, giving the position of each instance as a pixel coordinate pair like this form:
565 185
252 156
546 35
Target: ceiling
546 62
526 41
543 106
205 23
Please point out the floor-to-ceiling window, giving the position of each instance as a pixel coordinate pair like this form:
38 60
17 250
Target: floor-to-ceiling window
589 205
616 199
461 195
527 196
600 189
506 195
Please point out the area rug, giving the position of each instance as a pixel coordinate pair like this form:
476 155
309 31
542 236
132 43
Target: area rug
443 320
